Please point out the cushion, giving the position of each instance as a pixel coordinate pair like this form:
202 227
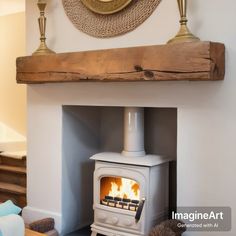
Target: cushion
12 225
42 226
8 208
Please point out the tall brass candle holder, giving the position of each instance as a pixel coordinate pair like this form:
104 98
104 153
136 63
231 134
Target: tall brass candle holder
43 49
184 34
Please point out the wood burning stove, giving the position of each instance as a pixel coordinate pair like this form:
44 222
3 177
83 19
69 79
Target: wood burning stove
131 188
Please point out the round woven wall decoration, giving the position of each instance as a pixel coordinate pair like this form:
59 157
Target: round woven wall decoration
109 25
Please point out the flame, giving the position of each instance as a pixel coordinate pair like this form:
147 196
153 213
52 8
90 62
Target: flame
128 189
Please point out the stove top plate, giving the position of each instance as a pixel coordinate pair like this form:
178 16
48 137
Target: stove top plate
147 160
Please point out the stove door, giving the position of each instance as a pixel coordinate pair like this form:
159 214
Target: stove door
118 191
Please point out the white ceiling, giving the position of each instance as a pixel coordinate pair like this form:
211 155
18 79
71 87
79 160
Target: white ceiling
11 6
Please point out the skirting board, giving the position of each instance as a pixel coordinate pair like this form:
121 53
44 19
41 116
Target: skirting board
31 214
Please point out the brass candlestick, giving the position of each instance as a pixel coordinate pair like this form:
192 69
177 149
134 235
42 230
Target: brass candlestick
184 34
43 49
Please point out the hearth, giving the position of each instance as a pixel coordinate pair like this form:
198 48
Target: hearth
130 188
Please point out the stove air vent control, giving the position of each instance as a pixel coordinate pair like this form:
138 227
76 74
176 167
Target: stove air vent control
128 222
102 216
114 220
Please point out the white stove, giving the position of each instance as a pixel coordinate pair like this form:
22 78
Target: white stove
131 188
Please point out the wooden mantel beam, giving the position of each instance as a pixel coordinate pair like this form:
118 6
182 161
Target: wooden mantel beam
187 61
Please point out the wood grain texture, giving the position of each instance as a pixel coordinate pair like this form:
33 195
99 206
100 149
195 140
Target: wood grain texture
14 169
187 61
12 188
29 232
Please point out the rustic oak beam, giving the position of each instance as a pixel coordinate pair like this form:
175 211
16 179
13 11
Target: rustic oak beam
187 61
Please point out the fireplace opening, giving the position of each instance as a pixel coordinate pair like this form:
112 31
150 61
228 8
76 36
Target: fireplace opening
120 193
88 130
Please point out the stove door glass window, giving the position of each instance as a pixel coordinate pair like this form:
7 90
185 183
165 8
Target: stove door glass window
119 192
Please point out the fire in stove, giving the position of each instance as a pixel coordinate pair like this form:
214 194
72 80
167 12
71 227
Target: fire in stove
119 192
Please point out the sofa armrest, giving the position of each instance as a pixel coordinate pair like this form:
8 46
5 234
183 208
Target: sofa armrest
12 225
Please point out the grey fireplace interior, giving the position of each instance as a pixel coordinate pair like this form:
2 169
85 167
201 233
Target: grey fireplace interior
88 130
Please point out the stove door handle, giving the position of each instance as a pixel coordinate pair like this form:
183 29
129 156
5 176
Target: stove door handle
139 210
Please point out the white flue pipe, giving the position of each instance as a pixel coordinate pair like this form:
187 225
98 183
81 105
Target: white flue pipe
133 132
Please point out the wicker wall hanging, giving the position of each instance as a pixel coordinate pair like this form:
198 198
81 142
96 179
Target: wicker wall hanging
110 21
